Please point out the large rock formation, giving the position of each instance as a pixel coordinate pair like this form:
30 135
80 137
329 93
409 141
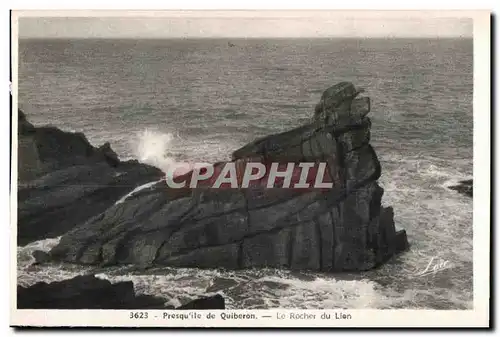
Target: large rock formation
343 228
90 292
63 180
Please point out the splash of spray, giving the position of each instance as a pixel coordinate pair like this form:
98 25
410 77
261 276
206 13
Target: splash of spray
151 147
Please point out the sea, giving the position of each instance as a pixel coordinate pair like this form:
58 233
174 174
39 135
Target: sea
163 101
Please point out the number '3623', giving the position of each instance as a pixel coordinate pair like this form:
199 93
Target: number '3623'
138 315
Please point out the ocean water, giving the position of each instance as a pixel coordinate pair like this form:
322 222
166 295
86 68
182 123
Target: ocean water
162 101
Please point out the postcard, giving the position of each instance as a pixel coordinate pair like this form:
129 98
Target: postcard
258 168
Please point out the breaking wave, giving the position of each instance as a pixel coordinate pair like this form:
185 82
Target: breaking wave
153 147
244 289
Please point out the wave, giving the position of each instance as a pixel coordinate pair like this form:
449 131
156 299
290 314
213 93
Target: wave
257 289
246 289
29 274
152 147
165 150
24 254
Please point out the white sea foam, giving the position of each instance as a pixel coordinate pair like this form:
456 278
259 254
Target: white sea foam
257 289
152 147
28 274
137 189
24 254
166 151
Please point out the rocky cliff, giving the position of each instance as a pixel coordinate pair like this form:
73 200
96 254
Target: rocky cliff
343 228
63 180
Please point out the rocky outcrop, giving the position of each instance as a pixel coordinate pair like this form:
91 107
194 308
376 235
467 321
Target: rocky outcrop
464 186
63 180
90 292
342 228
207 302
54 149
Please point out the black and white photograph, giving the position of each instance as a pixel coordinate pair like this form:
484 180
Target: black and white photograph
190 164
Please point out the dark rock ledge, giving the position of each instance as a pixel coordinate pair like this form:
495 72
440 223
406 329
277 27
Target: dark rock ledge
90 292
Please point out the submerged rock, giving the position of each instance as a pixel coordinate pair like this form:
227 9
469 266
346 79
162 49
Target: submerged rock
465 187
64 180
209 302
41 257
90 292
342 228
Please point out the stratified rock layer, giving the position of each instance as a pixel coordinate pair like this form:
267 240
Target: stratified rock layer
343 228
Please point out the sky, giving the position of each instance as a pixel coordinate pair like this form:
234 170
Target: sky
250 24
